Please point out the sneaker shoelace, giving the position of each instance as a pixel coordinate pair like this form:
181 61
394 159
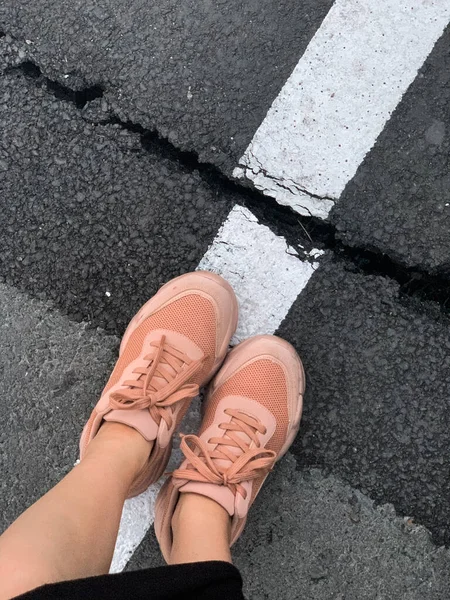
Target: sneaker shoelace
160 384
247 464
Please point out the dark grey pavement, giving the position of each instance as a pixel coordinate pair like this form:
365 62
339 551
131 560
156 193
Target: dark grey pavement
202 73
92 220
378 399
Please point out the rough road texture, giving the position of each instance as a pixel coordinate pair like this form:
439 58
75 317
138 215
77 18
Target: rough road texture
92 220
399 200
203 73
51 373
378 394
321 540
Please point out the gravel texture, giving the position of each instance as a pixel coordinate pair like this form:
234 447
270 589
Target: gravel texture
202 73
92 220
378 391
51 373
399 200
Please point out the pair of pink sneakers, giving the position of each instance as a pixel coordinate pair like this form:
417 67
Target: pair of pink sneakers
175 345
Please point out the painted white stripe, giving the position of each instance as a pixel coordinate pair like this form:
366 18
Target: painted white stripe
267 276
137 517
336 102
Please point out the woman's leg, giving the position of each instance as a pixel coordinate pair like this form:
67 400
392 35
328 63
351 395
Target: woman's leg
201 531
71 531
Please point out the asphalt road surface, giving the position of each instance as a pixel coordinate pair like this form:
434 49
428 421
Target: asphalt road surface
139 142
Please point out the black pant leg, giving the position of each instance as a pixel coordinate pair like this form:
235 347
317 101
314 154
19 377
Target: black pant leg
211 580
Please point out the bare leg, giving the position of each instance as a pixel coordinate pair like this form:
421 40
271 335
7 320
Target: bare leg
71 531
201 530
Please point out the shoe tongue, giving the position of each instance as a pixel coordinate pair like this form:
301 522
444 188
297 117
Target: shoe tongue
140 420
219 493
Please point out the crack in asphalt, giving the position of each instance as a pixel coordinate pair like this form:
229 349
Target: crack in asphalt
78 97
286 184
301 232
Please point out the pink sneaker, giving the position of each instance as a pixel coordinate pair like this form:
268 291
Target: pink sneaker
251 418
172 347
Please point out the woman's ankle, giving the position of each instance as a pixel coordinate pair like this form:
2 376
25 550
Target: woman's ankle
121 446
201 530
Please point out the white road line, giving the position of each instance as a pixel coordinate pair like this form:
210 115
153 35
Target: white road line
137 517
267 276
339 97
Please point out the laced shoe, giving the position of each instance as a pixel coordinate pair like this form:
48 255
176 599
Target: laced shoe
171 348
251 418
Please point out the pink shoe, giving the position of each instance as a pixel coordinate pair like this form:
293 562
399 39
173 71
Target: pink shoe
172 347
251 418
